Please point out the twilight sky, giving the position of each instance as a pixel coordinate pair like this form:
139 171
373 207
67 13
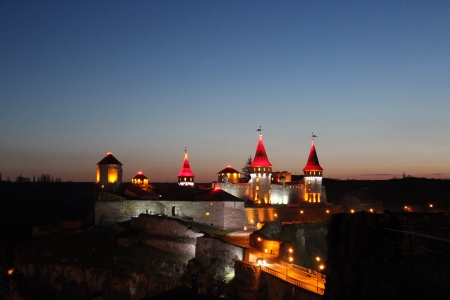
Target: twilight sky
145 79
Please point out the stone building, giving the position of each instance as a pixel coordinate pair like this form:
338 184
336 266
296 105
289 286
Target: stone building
227 204
109 173
268 187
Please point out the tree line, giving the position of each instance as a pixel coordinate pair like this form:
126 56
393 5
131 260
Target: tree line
41 178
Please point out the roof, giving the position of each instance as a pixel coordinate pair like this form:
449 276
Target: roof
313 161
139 175
109 159
216 195
228 169
185 169
260 159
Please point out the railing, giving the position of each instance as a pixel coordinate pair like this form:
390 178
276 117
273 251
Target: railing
299 283
308 273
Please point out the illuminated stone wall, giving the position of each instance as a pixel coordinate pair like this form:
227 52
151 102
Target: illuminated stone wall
290 213
225 215
228 215
111 212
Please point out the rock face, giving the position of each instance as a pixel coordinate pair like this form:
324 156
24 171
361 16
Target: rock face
218 256
77 282
90 264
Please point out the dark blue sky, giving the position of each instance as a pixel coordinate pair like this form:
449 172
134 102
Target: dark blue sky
144 79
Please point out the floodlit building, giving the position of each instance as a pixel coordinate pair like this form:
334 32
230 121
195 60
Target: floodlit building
109 173
228 203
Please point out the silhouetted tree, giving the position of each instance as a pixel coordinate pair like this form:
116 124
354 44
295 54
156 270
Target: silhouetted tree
246 168
22 179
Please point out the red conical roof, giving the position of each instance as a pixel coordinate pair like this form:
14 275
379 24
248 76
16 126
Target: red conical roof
186 169
260 159
313 161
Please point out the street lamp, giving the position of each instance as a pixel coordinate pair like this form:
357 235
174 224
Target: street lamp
321 267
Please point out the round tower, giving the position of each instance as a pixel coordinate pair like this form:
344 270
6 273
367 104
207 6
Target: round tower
186 177
312 177
109 173
260 175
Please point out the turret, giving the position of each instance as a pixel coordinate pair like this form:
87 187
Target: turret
186 177
313 177
109 173
260 175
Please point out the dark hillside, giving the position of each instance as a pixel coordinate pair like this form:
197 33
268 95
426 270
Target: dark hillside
24 205
395 193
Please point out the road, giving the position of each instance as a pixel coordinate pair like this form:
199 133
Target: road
241 238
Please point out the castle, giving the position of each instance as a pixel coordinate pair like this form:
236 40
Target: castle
228 203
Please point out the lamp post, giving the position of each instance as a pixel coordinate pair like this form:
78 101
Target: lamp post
321 267
291 259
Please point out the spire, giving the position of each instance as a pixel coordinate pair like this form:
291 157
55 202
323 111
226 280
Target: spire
185 169
260 159
313 161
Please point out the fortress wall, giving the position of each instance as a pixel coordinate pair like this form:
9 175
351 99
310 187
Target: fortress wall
209 213
290 213
111 212
162 225
234 216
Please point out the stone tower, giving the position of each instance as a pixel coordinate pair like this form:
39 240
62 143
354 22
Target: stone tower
260 175
186 177
109 173
313 177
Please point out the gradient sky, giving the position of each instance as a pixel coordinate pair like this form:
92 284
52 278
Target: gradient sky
145 79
